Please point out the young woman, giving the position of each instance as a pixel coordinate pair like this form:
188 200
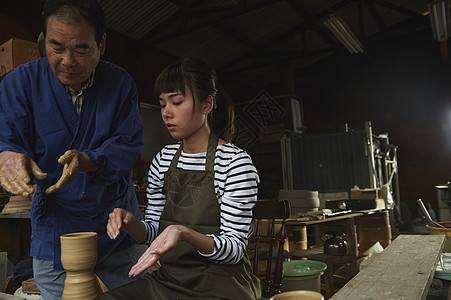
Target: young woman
200 198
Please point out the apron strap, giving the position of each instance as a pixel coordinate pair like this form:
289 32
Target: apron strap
211 150
210 159
175 159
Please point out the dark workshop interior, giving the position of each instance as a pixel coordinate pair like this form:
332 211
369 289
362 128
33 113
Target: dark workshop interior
267 53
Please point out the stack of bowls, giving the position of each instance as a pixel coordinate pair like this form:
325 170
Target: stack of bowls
302 201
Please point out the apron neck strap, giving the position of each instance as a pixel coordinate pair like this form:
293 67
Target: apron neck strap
211 149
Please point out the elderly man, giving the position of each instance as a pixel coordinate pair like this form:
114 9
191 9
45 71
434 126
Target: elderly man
70 123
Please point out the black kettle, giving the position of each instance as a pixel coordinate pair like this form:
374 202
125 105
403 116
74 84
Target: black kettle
335 245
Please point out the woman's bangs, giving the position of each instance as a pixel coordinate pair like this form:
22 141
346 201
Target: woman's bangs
169 81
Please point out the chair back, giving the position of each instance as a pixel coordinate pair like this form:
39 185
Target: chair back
266 245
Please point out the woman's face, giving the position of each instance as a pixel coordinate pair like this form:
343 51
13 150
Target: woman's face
182 118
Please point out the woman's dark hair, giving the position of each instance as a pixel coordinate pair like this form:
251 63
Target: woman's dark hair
201 80
69 11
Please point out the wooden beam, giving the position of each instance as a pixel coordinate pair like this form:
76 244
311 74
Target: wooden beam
239 9
400 9
404 270
288 33
376 15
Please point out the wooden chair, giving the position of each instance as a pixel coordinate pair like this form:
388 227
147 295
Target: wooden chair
266 245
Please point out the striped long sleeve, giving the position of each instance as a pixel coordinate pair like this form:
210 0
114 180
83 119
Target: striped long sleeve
235 182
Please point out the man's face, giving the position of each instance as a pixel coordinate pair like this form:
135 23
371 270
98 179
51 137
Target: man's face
72 51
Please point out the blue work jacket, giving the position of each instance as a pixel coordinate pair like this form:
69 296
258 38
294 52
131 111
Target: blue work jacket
37 118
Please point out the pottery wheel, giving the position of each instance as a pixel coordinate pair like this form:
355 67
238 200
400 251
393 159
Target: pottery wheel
17 206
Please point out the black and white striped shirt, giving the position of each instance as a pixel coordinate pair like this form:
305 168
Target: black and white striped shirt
235 182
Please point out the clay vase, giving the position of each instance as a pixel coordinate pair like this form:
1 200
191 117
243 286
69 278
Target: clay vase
79 257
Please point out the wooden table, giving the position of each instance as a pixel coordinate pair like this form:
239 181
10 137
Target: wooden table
404 270
345 221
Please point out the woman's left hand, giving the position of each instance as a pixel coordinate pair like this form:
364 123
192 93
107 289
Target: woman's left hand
167 240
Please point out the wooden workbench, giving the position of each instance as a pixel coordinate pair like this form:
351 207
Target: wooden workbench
404 270
349 224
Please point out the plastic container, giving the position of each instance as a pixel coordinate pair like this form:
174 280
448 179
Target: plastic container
302 275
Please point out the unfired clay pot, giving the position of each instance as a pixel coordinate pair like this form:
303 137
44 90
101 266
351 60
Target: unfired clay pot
79 257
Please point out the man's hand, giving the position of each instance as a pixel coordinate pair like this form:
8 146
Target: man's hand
14 173
74 162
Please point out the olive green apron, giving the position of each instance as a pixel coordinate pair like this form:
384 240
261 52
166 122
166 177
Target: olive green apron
192 202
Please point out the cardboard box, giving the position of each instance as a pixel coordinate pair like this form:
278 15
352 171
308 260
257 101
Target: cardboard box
357 204
272 133
15 52
357 193
323 197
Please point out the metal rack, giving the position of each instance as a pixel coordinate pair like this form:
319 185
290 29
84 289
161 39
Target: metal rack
336 162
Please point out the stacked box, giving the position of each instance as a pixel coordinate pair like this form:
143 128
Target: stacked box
370 193
15 52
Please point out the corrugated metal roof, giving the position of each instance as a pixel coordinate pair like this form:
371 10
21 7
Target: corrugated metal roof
240 36
136 18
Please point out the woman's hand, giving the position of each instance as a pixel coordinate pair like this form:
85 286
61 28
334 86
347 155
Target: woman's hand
167 240
119 220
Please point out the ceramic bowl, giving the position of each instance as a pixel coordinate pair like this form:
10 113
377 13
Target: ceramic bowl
301 294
